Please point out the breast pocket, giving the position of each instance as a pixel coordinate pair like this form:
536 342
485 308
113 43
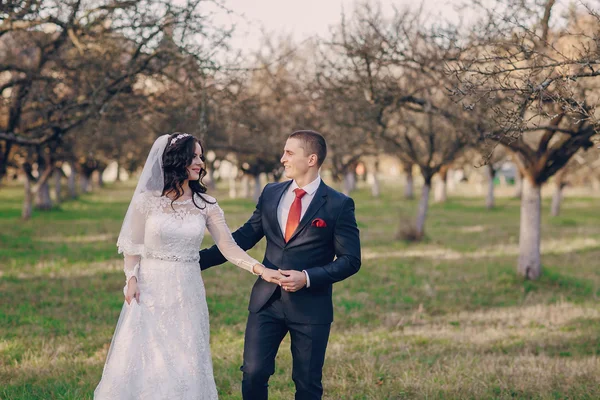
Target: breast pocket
320 228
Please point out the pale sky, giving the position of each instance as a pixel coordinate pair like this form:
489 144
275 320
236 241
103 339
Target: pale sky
303 18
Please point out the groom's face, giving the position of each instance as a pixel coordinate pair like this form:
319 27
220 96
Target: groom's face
295 160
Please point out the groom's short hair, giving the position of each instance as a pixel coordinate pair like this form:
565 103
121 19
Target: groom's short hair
313 143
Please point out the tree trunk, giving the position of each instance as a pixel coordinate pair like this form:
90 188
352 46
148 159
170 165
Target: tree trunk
232 187
491 173
28 200
423 206
118 177
85 183
257 188
349 182
374 179
529 236
441 188
375 190
245 186
4 156
211 184
518 184
72 181
100 178
57 185
409 187
43 200
557 198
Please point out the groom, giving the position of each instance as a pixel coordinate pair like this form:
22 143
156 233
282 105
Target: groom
313 240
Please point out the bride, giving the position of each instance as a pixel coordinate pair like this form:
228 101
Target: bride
160 348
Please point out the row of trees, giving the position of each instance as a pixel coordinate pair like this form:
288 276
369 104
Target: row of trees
86 83
430 92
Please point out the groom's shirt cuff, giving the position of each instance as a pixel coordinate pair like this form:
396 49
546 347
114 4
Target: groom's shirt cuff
307 278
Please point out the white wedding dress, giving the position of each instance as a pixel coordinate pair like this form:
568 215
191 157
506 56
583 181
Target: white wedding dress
160 348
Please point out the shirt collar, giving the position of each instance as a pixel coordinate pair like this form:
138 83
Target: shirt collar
311 188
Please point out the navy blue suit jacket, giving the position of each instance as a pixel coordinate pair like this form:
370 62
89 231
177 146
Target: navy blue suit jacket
329 254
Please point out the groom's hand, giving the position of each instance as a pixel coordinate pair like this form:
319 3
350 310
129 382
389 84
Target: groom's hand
292 281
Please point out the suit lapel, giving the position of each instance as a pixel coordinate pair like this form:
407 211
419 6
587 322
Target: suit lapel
317 202
271 211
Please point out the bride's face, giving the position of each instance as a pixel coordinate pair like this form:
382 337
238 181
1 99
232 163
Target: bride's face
197 164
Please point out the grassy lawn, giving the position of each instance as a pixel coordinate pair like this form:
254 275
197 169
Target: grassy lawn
443 319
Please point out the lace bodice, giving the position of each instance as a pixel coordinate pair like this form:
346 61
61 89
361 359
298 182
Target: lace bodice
174 231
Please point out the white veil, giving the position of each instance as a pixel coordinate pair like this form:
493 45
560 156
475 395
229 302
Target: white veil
151 182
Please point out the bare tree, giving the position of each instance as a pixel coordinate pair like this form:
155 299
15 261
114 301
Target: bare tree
396 68
64 63
339 111
427 141
489 165
539 84
581 169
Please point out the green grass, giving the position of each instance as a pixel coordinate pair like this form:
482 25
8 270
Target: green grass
443 319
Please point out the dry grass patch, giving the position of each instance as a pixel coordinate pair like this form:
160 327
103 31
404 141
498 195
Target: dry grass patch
444 319
550 246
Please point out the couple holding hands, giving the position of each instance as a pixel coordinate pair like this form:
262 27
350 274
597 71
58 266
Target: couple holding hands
160 348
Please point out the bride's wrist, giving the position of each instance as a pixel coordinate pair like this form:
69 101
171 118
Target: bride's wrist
259 269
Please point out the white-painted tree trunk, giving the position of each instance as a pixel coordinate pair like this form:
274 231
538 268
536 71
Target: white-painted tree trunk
557 199
72 181
409 187
257 188
349 182
451 183
518 185
232 187
246 186
375 189
423 207
490 200
529 237
441 190
57 185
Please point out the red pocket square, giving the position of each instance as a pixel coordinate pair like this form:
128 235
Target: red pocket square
319 223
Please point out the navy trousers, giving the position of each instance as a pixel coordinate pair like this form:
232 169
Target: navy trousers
264 332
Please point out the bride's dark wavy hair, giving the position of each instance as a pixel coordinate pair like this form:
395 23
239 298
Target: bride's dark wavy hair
176 158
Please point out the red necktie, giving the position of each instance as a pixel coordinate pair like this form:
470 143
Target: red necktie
294 216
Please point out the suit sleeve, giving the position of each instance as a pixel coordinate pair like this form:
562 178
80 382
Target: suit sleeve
245 237
347 250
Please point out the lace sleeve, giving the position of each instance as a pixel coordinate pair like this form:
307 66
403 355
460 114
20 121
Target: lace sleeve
131 239
217 226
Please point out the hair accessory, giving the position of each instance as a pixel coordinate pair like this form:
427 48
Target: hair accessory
180 136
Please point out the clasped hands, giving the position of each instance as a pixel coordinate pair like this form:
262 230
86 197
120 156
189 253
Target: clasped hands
289 280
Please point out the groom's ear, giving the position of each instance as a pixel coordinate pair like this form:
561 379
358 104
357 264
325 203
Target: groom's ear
313 160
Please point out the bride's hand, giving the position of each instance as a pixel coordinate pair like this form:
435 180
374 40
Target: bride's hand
269 275
133 292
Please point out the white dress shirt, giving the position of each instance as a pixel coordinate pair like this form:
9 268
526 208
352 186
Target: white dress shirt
283 209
